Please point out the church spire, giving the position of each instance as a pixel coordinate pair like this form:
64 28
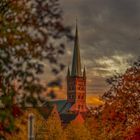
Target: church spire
76 64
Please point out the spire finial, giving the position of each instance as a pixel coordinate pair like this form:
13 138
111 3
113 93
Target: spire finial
76 34
76 22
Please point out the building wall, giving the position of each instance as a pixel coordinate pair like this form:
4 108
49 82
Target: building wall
76 93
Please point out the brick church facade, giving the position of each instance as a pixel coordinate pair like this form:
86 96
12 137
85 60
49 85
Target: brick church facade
74 108
76 81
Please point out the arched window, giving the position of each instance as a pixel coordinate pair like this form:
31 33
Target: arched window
78 96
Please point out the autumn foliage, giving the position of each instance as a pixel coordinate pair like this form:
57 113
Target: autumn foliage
28 30
119 117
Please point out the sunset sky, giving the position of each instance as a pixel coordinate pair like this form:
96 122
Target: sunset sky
109 32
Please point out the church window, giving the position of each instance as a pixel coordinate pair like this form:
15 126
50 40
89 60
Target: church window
72 96
73 88
78 106
79 97
69 87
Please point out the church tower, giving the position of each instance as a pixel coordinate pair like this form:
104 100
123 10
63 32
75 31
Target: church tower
76 81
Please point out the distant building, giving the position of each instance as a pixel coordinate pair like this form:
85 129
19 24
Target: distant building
74 108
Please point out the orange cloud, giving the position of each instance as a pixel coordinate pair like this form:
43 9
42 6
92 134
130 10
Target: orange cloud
93 100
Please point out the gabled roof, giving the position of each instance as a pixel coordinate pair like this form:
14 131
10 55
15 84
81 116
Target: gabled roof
59 104
65 108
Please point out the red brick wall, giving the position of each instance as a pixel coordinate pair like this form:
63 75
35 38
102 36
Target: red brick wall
76 92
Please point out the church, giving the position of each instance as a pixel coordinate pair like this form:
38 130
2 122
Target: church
74 108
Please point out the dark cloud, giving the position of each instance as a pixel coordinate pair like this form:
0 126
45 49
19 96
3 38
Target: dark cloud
109 34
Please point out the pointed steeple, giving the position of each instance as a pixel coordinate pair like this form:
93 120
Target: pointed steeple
76 64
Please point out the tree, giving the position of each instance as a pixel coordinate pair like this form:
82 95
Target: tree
122 102
93 125
133 132
30 32
119 117
21 125
54 129
77 131
124 94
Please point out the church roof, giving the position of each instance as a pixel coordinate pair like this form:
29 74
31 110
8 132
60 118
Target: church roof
66 118
72 117
62 105
76 63
59 104
65 108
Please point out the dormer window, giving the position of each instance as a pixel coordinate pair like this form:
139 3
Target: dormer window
72 96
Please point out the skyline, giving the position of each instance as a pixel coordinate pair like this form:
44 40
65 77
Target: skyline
108 37
109 40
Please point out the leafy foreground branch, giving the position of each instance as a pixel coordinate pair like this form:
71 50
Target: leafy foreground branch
30 32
